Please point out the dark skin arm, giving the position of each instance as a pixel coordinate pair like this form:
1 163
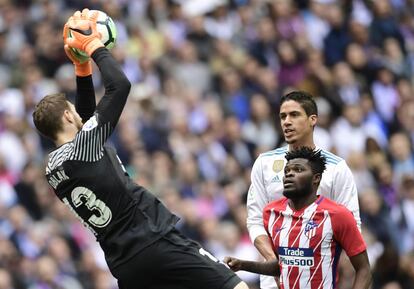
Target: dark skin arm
363 277
263 245
360 263
270 268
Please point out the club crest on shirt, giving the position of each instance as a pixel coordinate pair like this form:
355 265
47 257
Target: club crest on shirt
278 165
310 229
90 124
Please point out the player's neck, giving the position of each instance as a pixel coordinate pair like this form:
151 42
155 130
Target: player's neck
65 137
304 143
299 204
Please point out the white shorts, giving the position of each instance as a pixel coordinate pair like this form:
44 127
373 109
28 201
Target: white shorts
267 282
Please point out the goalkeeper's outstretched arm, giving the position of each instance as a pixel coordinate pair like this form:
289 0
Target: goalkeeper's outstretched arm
84 36
116 84
85 102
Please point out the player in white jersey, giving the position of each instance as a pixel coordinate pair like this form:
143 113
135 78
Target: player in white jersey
298 117
308 231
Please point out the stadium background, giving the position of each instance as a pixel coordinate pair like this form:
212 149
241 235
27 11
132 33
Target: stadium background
207 77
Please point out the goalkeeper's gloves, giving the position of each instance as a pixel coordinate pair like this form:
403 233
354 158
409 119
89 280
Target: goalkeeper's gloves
83 64
83 33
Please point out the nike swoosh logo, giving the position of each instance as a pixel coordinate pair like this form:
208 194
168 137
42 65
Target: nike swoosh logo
279 229
84 32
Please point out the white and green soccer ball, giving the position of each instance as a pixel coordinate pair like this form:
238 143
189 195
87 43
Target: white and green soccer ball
106 27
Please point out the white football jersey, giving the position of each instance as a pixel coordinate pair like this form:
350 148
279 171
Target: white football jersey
267 185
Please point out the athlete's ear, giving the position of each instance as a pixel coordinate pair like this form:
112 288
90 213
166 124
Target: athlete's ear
313 119
316 179
68 116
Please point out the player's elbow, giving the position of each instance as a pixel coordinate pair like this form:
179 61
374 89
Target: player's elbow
119 86
364 274
365 270
125 86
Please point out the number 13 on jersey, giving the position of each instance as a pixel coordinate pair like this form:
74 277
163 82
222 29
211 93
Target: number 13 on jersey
101 216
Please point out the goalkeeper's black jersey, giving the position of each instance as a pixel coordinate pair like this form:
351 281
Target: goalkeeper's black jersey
89 178
124 217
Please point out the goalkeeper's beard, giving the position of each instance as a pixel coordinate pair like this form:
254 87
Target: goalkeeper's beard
76 118
78 122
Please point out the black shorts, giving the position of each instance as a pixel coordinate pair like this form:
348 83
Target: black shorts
175 262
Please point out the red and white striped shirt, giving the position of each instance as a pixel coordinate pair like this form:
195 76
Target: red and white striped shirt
309 242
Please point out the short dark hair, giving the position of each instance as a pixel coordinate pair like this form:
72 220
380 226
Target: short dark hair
305 100
48 113
316 160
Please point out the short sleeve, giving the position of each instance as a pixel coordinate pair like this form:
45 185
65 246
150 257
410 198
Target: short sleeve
346 232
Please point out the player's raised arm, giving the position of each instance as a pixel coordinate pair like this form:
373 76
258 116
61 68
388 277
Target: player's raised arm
116 84
89 141
85 102
84 36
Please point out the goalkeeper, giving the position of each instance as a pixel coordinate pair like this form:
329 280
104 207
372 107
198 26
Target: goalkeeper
136 232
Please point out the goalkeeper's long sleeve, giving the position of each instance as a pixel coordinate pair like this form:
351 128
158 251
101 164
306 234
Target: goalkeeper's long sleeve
117 87
85 102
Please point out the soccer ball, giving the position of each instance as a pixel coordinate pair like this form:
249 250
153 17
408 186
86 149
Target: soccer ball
106 27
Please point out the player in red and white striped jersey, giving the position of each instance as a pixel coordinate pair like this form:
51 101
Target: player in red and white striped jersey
308 232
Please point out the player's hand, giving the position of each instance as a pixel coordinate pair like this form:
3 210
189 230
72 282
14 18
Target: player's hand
76 58
83 64
83 33
234 263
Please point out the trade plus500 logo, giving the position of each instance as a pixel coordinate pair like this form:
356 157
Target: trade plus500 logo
297 257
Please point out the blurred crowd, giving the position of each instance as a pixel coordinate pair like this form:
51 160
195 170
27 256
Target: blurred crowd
207 78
